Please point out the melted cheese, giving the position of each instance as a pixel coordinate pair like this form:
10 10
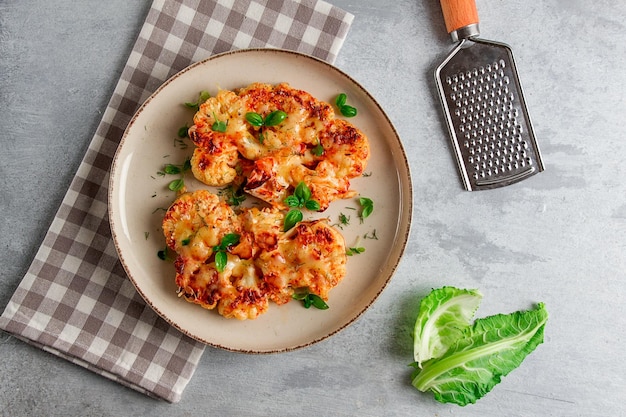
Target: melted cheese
266 265
272 160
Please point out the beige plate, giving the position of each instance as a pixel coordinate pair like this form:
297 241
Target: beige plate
137 194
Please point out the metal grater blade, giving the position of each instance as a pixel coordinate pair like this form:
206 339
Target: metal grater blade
484 106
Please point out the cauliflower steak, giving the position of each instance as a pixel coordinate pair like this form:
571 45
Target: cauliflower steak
266 264
310 145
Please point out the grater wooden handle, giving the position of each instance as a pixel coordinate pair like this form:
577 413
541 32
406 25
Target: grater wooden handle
459 13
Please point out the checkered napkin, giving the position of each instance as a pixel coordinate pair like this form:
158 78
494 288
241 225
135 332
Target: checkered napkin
75 300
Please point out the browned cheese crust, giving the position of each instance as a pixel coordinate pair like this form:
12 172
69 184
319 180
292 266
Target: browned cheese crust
266 265
271 160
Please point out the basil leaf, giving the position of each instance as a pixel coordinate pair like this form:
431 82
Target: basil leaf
275 118
367 210
204 96
183 131
341 99
354 251
176 185
348 111
299 296
318 302
187 165
308 299
194 106
367 206
164 254
312 205
219 126
318 150
234 196
221 259
302 192
293 216
254 119
292 201
229 240
171 169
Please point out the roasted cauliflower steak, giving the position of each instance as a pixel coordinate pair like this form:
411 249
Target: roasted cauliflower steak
265 265
310 145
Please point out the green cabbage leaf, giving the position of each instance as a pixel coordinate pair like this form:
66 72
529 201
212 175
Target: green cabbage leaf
443 317
481 355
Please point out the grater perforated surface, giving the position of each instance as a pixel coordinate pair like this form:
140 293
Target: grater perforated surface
487 117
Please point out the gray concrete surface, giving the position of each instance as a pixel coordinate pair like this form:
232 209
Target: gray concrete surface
559 237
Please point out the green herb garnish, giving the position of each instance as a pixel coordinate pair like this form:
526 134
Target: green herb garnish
301 198
354 251
367 207
183 131
274 118
255 119
343 220
221 258
318 150
234 196
176 185
202 97
180 143
219 125
165 254
171 169
345 109
293 217
309 300
371 235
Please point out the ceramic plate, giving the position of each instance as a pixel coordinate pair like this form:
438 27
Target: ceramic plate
138 196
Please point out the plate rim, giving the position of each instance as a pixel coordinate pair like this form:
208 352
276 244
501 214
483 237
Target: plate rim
398 250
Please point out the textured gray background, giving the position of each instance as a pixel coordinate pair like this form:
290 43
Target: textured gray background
558 237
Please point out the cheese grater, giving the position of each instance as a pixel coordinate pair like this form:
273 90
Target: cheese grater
484 106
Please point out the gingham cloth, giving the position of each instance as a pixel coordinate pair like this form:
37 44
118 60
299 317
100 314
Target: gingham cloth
75 300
